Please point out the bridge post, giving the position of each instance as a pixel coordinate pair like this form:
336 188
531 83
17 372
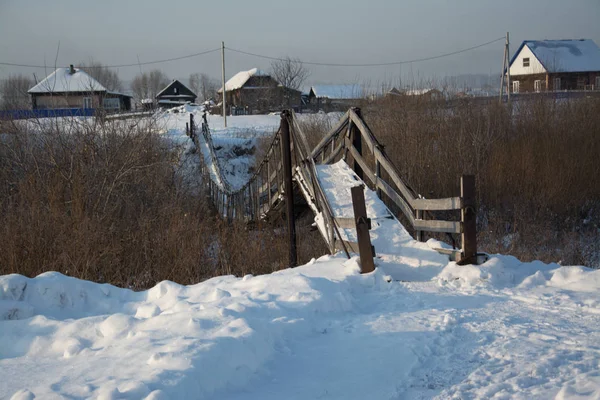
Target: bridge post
362 229
357 144
468 217
287 185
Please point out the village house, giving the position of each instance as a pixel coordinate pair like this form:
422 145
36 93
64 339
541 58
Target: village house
73 88
255 91
175 94
334 97
554 65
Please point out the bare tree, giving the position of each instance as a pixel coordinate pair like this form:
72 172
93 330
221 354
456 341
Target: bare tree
204 86
13 92
290 72
107 77
148 84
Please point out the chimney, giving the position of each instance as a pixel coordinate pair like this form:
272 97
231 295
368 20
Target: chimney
71 69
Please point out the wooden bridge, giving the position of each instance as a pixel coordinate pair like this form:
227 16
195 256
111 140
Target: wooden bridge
333 179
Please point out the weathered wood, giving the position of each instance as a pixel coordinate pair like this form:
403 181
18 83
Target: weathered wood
286 148
334 153
362 229
468 218
378 176
333 132
349 223
369 138
450 203
391 171
418 218
358 159
437 226
356 137
397 199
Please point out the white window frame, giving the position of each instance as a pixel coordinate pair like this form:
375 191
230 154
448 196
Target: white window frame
88 103
597 86
537 85
556 84
526 62
515 86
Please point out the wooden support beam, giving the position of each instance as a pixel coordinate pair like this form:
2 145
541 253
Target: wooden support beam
468 216
288 188
357 145
362 229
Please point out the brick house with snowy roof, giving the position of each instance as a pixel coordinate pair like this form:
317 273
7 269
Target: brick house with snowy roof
255 91
73 88
555 65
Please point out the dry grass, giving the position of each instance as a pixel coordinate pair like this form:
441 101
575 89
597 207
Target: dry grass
104 202
536 168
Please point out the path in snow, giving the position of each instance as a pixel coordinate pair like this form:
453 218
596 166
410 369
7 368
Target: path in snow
506 329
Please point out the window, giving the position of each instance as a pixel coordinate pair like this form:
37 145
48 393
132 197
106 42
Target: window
597 87
175 90
526 62
538 85
556 84
87 102
111 103
515 86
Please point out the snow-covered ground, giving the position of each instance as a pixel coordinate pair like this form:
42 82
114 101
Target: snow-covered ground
501 330
419 327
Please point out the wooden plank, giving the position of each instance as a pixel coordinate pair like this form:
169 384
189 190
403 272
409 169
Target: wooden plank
333 132
334 154
389 168
362 229
361 161
370 140
397 199
450 203
455 254
437 226
349 223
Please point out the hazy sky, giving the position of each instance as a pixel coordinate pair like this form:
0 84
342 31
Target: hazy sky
336 31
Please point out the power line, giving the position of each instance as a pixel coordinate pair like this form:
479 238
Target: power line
121 65
371 64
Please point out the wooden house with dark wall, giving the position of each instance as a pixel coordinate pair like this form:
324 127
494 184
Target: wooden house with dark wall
175 94
555 65
73 88
255 91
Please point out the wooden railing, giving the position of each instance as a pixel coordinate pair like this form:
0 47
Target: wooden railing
351 140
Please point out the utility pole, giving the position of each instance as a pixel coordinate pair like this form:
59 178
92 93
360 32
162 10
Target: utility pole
508 67
224 93
504 71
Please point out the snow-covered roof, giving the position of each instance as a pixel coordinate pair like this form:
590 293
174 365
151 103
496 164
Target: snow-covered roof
240 79
62 81
581 55
337 91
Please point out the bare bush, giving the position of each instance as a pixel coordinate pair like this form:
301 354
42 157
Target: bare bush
107 77
204 86
148 84
535 167
13 92
104 201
